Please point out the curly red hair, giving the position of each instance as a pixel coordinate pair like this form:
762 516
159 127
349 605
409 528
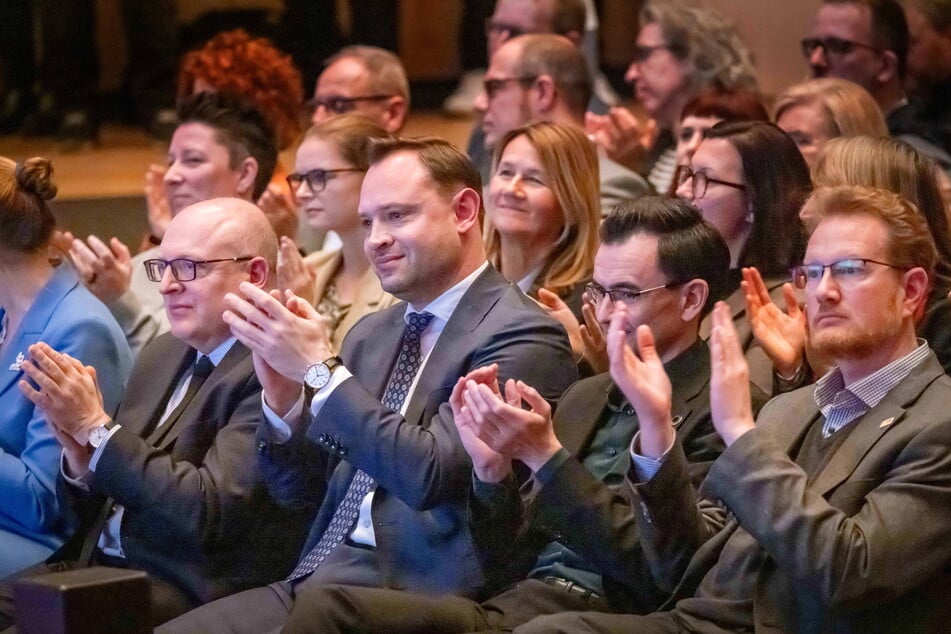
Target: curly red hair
251 68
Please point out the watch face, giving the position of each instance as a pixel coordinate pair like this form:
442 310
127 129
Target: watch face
317 376
97 435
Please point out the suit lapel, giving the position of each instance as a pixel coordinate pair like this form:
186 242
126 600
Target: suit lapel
188 415
874 424
140 414
35 321
471 310
575 420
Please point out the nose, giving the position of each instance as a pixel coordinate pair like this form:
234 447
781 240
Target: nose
604 310
303 191
827 289
633 73
481 102
172 174
817 60
514 187
168 284
377 237
320 114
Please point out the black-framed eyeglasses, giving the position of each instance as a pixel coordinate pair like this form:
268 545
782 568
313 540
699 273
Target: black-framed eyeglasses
494 85
700 181
844 272
316 179
833 47
340 105
596 292
641 53
183 269
491 26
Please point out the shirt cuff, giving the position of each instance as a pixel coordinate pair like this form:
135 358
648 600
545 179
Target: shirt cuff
489 494
549 468
102 446
80 482
646 468
279 430
339 375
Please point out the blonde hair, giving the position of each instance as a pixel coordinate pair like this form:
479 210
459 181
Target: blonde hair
572 165
847 108
352 135
895 166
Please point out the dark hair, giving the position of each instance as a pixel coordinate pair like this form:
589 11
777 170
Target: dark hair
777 184
728 104
937 12
688 247
888 26
557 57
450 169
26 222
239 127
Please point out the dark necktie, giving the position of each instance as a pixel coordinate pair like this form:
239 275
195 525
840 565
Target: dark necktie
201 370
347 512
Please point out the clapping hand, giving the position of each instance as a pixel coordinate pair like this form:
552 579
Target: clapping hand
729 379
781 335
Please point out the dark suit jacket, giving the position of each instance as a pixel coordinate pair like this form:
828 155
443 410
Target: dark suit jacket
422 470
863 545
196 511
578 510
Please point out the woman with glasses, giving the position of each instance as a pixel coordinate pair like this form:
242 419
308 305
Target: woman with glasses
328 172
707 109
681 50
543 211
749 181
41 303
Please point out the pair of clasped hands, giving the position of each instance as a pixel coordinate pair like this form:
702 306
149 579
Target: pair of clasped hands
495 428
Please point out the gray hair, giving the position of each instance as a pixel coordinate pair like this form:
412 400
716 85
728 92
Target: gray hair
706 42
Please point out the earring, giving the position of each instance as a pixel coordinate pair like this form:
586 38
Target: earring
749 218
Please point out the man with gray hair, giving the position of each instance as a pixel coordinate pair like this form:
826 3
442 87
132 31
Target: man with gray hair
364 79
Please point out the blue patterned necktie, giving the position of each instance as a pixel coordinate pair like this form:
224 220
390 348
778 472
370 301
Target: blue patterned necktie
401 378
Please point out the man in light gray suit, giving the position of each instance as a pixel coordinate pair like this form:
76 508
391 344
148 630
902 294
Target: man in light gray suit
833 513
394 512
543 77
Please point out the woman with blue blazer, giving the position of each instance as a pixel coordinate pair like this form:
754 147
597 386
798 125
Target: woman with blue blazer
40 303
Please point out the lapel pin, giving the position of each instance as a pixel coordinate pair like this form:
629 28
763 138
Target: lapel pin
15 366
885 423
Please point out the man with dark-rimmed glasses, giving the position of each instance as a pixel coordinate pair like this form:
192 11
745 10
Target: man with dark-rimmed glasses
169 485
576 548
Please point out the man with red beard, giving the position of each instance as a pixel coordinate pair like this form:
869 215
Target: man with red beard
832 512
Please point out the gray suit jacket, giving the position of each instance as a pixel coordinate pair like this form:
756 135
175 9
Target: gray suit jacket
618 184
863 545
422 470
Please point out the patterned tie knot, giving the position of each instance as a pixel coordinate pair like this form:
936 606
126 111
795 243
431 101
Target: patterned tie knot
417 323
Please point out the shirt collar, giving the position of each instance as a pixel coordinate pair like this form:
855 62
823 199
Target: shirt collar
526 282
873 388
443 306
218 353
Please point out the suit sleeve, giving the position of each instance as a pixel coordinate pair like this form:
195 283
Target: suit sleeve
28 481
874 539
195 497
426 465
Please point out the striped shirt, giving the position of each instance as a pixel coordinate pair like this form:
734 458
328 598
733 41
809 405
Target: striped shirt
841 404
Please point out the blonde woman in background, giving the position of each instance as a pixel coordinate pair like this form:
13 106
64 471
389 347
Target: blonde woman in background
328 172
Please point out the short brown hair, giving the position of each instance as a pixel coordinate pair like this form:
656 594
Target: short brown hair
387 75
351 134
450 169
557 57
910 244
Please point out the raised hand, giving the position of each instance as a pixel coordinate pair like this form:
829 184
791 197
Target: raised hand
156 201
781 335
288 336
106 270
557 308
280 210
67 391
292 274
595 346
643 381
502 424
729 379
488 464
621 135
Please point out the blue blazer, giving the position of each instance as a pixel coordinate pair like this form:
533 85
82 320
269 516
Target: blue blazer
70 319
